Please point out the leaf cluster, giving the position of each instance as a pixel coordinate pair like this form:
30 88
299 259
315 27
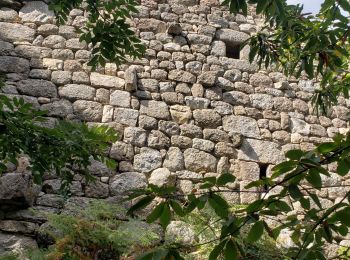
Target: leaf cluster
107 29
66 148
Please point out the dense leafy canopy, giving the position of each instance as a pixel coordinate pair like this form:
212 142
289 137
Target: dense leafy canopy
107 29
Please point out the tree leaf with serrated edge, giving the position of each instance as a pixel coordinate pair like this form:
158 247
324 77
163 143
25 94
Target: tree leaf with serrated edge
343 167
165 217
140 204
314 178
326 147
255 232
255 206
217 250
155 214
177 208
219 205
305 203
231 252
294 154
294 192
225 178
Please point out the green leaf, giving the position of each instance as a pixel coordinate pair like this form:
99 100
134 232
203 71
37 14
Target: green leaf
294 192
326 147
217 250
165 217
255 232
231 252
225 178
155 214
305 203
294 154
140 204
177 208
343 167
219 205
314 178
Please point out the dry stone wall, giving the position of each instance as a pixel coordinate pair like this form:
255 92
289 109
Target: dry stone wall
193 106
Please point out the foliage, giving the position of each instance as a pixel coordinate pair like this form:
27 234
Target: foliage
207 226
97 233
107 29
22 132
298 179
298 42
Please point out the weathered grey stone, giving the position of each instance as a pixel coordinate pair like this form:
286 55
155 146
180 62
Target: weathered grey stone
236 98
21 227
191 130
174 29
51 200
180 232
182 76
36 12
260 151
222 108
208 78
233 75
123 183
99 80
135 136
126 116
151 85
10 243
218 48
169 127
10 64
261 80
37 88
8 15
47 29
54 41
130 77
89 111
197 102
299 126
122 151
225 84
230 36
223 149
216 135
261 101
198 161
203 145
151 25
157 109
174 160
16 191
76 92
243 125
158 140
60 108
40 74
207 118
182 142
120 98
148 160
13 32
161 177
147 122
97 189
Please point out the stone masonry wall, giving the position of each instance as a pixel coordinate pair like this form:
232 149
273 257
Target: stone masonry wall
192 107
